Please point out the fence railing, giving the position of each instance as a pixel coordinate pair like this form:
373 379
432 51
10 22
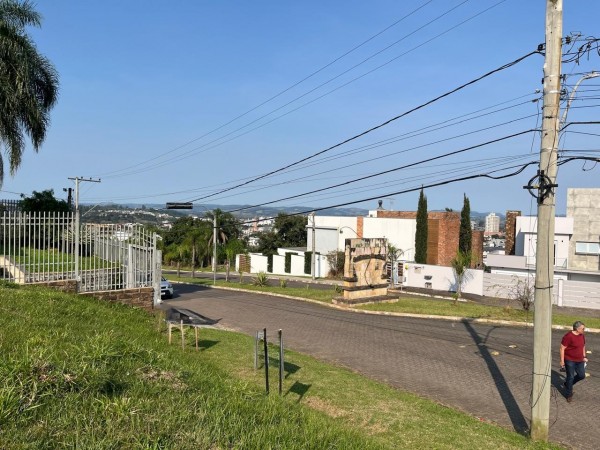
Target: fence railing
41 247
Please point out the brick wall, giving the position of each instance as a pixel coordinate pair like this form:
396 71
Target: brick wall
397 214
139 297
510 230
448 229
477 248
62 285
443 229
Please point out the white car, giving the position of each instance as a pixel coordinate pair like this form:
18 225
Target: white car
166 288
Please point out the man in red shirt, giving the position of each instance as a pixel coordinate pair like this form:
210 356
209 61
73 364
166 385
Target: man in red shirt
573 357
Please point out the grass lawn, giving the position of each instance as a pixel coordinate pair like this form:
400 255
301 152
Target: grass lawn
469 309
80 373
321 295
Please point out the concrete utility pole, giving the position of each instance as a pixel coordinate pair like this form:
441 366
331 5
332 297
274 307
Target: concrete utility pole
77 237
312 255
544 275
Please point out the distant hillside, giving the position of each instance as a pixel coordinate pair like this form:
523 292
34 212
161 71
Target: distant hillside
263 211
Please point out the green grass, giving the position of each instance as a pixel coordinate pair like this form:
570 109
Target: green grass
321 295
80 373
48 261
438 307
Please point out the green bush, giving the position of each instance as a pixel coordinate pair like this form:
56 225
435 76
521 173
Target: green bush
270 263
283 283
261 279
307 262
288 261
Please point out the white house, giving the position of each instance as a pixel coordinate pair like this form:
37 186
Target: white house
331 232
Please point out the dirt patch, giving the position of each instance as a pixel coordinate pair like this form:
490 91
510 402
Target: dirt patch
323 406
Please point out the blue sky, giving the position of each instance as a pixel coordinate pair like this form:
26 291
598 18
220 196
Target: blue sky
150 90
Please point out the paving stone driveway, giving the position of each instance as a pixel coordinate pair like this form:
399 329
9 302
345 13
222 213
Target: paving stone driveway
450 362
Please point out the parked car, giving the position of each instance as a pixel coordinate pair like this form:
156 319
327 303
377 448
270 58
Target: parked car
166 288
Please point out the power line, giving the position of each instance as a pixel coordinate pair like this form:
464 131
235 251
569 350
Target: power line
387 122
280 93
387 155
205 147
445 155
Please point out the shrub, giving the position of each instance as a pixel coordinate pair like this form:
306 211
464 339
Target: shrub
282 283
288 261
261 279
307 262
336 261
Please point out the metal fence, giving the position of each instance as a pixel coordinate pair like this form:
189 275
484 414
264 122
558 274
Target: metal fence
41 247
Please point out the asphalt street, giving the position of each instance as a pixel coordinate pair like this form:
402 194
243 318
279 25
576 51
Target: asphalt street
453 363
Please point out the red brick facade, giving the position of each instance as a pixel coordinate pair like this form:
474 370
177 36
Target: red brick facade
510 231
359 227
443 230
442 234
477 248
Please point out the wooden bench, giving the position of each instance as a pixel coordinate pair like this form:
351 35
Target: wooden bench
180 318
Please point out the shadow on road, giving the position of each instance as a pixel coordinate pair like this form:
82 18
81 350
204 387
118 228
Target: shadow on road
512 407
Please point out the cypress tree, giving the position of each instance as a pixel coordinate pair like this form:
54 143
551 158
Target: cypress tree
464 240
421 232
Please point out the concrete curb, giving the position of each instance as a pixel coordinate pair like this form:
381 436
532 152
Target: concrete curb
396 314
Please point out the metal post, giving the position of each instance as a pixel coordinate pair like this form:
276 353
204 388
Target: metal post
77 237
542 357
313 254
214 247
77 276
281 363
266 360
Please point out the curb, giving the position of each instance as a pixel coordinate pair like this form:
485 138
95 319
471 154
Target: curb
396 314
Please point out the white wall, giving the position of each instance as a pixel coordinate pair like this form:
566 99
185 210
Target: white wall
399 232
278 264
331 233
441 278
258 263
297 266
526 239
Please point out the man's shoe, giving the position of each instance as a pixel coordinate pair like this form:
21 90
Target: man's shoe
569 398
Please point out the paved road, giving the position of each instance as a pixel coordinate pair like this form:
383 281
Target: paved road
450 362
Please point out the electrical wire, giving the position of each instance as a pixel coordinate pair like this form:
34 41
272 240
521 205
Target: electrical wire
381 125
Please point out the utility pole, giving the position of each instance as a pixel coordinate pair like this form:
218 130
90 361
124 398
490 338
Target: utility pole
69 192
77 237
544 276
215 247
312 255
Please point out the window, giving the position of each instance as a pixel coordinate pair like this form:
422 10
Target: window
587 248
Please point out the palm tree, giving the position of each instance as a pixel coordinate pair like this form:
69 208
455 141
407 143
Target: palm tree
196 241
28 83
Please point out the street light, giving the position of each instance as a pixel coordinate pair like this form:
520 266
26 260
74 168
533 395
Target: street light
188 205
341 229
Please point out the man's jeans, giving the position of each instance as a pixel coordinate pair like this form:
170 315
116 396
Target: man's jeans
575 373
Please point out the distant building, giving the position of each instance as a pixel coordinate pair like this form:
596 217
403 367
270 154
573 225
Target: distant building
492 223
399 228
576 240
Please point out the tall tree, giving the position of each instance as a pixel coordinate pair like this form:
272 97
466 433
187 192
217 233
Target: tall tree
291 230
421 232
43 202
464 239
28 83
